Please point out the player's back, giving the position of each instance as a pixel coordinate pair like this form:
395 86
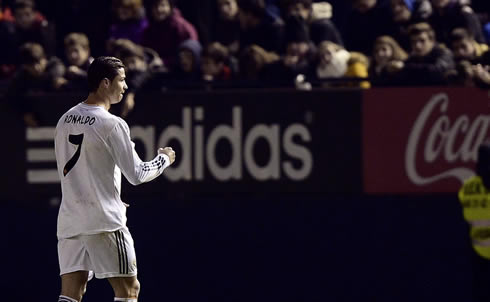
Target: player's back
90 179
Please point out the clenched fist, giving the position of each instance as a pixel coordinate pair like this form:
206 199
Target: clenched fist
169 152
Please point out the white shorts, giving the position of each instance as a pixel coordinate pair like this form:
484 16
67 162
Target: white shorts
106 254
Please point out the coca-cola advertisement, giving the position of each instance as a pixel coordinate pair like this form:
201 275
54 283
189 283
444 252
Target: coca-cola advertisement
422 140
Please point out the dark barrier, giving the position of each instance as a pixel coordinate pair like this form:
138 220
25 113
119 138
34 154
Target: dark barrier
413 140
227 142
422 140
267 142
206 233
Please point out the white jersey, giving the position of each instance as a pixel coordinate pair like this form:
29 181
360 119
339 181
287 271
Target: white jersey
92 148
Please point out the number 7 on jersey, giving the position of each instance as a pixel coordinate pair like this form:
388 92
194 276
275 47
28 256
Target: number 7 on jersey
75 139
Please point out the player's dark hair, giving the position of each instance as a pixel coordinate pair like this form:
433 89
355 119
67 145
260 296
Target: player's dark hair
102 68
483 163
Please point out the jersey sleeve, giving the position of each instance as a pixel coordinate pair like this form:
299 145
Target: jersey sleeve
134 169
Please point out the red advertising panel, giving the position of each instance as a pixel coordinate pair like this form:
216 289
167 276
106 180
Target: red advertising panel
422 140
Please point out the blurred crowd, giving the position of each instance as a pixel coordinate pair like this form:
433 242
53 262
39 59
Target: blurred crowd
47 45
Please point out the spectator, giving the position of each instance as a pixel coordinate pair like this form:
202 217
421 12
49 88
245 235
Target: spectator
482 10
91 17
167 30
144 71
388 58
215 63
422 10
319 25
428 62
272 10
463 74
402 15
368 20
257 28
130 20
133 58
401 10
27 27
31 28
115 48
77 60
468 74
189 62
254 60
202 15
486 32
464 47
227 25
5 13
481 76
485 59
334 62
448 15
300 52
37 74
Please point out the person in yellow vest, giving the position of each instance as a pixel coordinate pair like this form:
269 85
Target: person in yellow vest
474 196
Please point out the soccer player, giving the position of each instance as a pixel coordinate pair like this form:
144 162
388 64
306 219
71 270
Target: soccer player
92 148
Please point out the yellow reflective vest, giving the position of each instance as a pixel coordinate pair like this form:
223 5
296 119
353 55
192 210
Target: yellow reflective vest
475 200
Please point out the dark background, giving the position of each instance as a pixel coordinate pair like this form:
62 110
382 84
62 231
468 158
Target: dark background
330 248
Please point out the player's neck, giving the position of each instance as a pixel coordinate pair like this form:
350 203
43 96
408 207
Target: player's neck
95 99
